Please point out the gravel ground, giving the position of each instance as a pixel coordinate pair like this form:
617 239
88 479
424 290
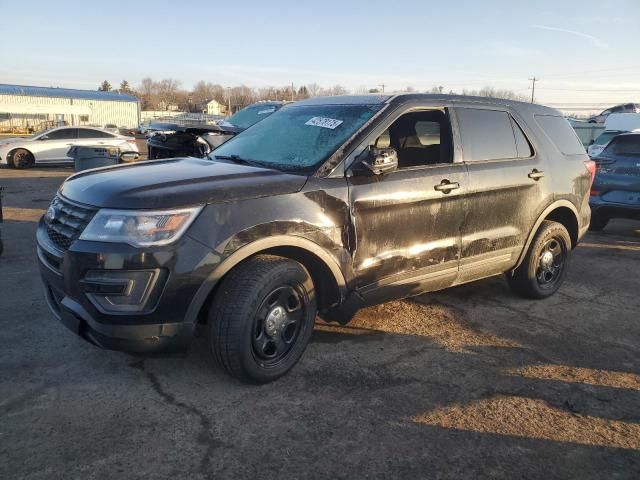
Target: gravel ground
472 382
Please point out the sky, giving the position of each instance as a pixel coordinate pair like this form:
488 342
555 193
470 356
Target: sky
582 51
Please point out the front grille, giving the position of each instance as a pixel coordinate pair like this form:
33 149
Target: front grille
65 222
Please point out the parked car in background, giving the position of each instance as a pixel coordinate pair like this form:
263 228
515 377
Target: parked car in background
602 141
251 115
616 189
624 108
326 206
166 140
52 146
615 124
111 127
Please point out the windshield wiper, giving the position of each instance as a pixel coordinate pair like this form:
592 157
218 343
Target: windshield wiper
238 159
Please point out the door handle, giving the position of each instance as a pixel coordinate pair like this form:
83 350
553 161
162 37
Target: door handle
446 186
536 174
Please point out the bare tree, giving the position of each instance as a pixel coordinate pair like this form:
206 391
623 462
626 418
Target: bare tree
336 90
203 92
241 97
148 92
314 89
496 93
168 92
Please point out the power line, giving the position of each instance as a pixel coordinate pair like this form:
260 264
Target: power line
587 72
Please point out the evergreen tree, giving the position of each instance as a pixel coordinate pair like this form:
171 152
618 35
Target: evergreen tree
105 86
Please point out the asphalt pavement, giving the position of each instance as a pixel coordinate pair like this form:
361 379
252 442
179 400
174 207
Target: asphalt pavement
472 382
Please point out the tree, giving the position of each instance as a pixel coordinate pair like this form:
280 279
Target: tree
168 92
124 87
437 89
105 86
303 92
148 92
203 92
496 93
241 97
337 90
314 89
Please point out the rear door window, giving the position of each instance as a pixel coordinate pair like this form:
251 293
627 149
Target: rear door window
63 134
561 134
486 135
91 133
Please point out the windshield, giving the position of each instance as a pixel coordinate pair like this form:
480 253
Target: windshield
624 145
40 132
298 138
251 115
605 137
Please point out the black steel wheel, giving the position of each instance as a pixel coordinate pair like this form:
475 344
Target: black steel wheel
544 266
277 323
551 262
262 317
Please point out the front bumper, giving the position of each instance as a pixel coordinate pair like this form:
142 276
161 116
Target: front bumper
158 324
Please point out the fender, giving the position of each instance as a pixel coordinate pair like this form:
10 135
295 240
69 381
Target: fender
251 249
541 218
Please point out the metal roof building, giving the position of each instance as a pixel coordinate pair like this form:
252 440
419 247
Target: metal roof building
31 108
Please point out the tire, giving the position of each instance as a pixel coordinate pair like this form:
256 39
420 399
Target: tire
598 222
545 265
261 318
22 158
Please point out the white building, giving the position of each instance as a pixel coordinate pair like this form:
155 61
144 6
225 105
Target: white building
216 108
26 108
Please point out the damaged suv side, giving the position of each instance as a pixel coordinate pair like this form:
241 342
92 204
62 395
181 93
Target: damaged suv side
325 207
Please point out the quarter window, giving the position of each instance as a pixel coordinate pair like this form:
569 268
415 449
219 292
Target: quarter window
561 134
486 135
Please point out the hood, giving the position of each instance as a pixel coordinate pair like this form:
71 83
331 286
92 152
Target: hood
6 141
177 182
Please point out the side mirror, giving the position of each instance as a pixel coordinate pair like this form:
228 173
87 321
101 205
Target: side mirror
380 160
128 157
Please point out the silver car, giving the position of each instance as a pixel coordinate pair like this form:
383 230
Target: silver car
52 146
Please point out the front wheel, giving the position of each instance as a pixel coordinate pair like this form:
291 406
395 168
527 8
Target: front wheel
545 265
262 318
22 158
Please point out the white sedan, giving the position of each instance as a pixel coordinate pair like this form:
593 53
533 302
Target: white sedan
52 146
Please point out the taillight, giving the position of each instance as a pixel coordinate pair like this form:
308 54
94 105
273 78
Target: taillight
594 192
591 166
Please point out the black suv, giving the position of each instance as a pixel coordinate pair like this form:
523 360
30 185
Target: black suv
324 207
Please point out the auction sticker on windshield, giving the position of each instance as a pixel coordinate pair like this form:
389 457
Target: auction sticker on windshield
323 122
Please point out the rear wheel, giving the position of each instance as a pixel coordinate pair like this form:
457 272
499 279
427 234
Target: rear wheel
598 222
262 318
545 265
22 158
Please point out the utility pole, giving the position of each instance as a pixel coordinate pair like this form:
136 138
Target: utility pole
292 91
229 100
533 87
382 85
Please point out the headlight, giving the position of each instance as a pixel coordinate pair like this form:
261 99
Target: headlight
140 228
